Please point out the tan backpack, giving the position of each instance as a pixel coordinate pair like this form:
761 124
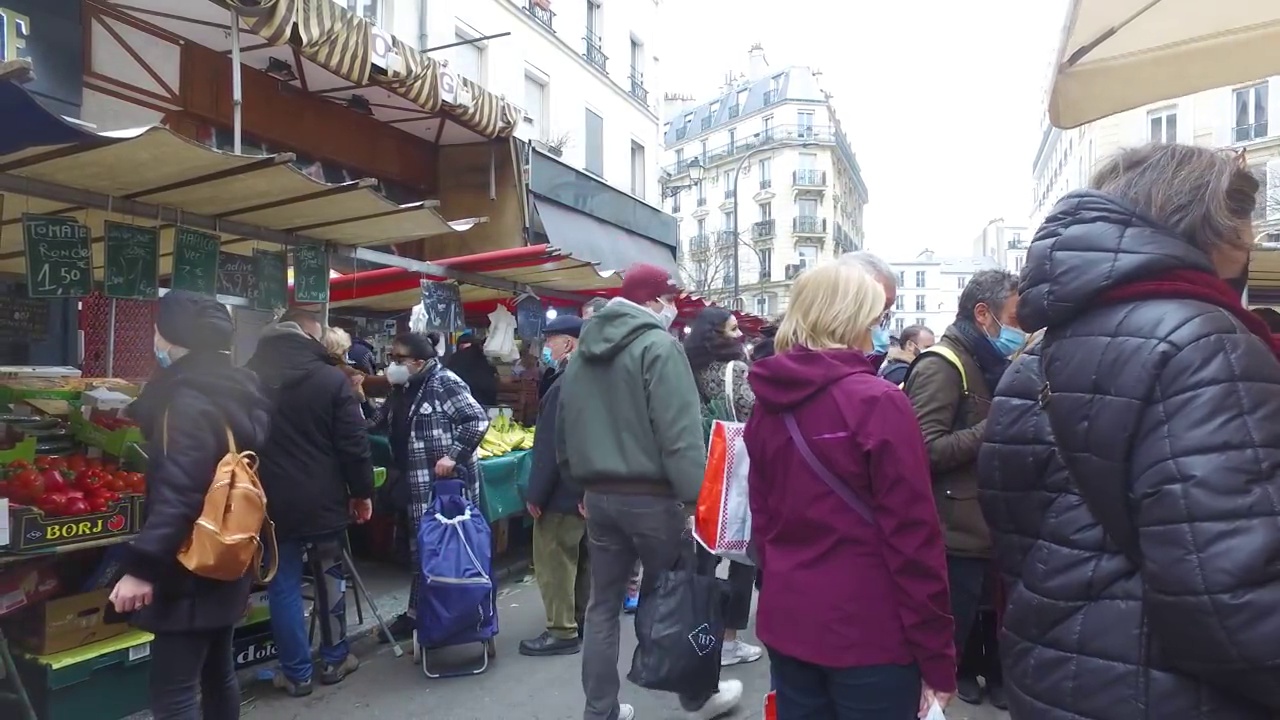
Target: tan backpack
227 540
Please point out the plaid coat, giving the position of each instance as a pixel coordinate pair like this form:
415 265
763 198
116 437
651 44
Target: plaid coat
444 420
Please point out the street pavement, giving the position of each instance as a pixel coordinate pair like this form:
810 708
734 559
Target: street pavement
515 687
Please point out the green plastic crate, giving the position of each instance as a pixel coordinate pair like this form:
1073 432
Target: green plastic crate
103 681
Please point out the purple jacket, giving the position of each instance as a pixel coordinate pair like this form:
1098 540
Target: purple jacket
838 591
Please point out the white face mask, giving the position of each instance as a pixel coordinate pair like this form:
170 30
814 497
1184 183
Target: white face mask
668 313
397 374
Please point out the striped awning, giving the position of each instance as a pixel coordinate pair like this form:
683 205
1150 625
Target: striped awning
354 49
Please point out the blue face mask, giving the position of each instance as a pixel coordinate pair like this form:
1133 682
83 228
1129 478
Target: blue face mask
162 358
879 340
547 359
1009 340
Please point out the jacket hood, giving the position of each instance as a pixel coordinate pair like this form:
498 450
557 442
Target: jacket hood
235 392
613 328
286 356
898 355
362 343
789 379
1090 243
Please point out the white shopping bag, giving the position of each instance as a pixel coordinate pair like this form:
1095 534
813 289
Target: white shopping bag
722 522
935 712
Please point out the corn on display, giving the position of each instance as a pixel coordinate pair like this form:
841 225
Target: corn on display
504 435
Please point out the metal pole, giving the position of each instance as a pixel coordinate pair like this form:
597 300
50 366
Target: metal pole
111 338
236 95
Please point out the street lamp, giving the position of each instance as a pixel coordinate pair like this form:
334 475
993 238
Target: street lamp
737 173
695 169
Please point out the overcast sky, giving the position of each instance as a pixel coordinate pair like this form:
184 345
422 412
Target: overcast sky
941 99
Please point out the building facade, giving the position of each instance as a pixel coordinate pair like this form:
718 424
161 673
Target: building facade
1234 117
1004 242
584 71
929 288
774 164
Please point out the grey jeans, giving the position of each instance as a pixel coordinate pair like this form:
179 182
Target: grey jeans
622 529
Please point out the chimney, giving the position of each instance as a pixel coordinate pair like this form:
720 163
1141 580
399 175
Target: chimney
757 65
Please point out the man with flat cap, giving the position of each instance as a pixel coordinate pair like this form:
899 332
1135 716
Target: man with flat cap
559 556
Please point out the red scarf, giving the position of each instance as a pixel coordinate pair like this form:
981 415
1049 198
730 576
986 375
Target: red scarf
1193 285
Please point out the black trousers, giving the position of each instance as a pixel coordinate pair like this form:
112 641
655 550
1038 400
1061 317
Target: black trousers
742 583
972 597
193 676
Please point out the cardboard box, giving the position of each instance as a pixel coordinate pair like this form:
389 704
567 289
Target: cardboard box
67 623
25 584
16 371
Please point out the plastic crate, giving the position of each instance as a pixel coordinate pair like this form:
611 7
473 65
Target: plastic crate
104 681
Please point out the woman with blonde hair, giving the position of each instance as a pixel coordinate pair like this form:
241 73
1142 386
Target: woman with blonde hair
853 605
337 342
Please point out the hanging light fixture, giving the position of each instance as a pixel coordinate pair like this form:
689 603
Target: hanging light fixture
280 70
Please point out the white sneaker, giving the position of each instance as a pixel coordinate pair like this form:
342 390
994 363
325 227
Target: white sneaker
626 712
722 703
737 652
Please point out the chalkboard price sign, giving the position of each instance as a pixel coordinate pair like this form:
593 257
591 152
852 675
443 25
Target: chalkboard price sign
195 261
530 316
310 274
59 256
235 276
23 318
272 275
442 302
132 265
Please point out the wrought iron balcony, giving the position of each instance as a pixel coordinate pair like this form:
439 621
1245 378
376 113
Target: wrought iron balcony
728 191
766 183
594 54
734 111
706 122
638 90
702 201
764 229
771 97
541 14
809 178
699 243
809 225
726 239
815 134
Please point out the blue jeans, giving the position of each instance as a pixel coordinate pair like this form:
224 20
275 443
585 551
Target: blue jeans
812 692
323 556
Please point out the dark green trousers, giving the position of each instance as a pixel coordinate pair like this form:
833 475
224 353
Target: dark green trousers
560 566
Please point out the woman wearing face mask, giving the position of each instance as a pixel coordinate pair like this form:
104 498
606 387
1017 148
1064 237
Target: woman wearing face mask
714 345
853 604
185 412
434 426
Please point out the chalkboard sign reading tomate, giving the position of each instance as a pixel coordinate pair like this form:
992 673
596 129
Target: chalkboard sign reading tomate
59 256
132 265
195 261
271 275
310 274
235 276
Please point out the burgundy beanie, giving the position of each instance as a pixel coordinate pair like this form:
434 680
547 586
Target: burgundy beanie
644 283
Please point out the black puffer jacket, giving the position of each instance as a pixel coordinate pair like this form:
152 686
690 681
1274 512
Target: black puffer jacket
317 456
198 399
1174 407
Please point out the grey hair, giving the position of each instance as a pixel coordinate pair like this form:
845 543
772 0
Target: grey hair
873 264
1206 196
593 306
993 288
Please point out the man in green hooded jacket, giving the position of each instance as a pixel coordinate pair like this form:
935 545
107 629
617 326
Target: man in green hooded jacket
629 432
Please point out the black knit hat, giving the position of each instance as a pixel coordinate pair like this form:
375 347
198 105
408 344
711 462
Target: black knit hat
194 321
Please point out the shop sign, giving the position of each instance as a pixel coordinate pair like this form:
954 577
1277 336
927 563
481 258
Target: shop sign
382 52
452 91
49 34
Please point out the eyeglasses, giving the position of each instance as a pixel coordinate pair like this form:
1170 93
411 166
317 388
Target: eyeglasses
396 357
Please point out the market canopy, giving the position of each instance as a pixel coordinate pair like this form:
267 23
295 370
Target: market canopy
335 53
157 178
1117 55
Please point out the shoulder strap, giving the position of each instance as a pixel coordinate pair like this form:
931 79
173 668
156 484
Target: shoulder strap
728 391
1109 504
952 358
821 470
